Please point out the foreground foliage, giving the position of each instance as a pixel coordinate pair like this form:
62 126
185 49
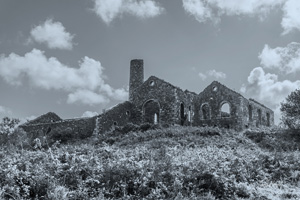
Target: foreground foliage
290 110
156 163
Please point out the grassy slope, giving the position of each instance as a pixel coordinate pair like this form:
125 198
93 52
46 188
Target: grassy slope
170 163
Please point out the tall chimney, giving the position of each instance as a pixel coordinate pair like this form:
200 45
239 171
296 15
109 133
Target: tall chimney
136 76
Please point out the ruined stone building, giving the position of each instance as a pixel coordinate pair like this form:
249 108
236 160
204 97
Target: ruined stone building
159 102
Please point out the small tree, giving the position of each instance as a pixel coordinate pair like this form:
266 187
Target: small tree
8 125
291 110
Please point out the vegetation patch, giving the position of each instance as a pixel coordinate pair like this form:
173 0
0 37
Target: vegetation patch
152 162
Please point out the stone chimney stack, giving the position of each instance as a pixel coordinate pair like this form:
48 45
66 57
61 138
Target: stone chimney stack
136 76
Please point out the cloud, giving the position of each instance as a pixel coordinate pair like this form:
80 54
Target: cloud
266 88
212 73
291 16
199 9
85 84
285 59
87 97
5 110
202 76
53 34
26 119
89 114
217 75
108 10
212 10
204 10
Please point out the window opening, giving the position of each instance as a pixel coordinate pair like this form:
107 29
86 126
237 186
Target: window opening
155 118
250 112
205 112
152 83
259 117
182 116
151 110
225 110
189 114
268 119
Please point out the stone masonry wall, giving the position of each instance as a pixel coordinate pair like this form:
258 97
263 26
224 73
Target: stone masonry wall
264 112
171 105
184 107
80 128
168 97
119 115
214 96
46 118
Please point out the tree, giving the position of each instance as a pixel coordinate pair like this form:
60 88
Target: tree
291 110
8 125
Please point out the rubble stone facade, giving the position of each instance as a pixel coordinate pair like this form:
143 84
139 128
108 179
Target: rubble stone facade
159 102
45 124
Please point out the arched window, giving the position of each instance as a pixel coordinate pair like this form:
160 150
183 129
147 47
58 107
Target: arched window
151 111
205 111
225 110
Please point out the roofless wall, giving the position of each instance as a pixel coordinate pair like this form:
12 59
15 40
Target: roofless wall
159 102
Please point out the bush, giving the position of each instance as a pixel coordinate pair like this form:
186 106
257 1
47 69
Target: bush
291 111
7 127
172 163
275 139
19 138
59 134
203 183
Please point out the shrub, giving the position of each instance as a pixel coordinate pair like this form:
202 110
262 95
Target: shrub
202 183
21 139
291 111
59 134
7 128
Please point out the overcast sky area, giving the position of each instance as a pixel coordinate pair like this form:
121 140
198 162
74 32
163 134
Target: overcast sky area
72 57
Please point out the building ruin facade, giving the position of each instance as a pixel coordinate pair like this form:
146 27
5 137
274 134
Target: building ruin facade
156 101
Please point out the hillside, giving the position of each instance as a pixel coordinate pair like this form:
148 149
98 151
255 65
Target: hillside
158 163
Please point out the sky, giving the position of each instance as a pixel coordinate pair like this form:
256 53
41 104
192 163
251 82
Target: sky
72 57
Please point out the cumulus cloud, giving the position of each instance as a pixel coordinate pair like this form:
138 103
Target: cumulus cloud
291 16
89 114
199 9
212 10
213 74
53 34
108 10
87 97
217 75
202 76
85 84
204 10
266 88
285 59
